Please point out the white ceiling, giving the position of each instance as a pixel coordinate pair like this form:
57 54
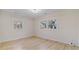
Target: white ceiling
27 12
43 12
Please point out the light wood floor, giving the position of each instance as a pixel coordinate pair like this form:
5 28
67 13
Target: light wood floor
35 43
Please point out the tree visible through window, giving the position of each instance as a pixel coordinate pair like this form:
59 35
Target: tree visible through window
50 24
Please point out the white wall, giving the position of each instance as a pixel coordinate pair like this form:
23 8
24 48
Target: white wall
67 27
78 29
8 32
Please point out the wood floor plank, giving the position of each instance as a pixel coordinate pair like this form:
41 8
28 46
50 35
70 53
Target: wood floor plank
35 43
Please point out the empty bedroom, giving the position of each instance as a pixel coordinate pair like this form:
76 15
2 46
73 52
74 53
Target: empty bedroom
39 29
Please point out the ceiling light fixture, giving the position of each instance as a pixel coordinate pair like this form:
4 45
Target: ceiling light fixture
35 10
